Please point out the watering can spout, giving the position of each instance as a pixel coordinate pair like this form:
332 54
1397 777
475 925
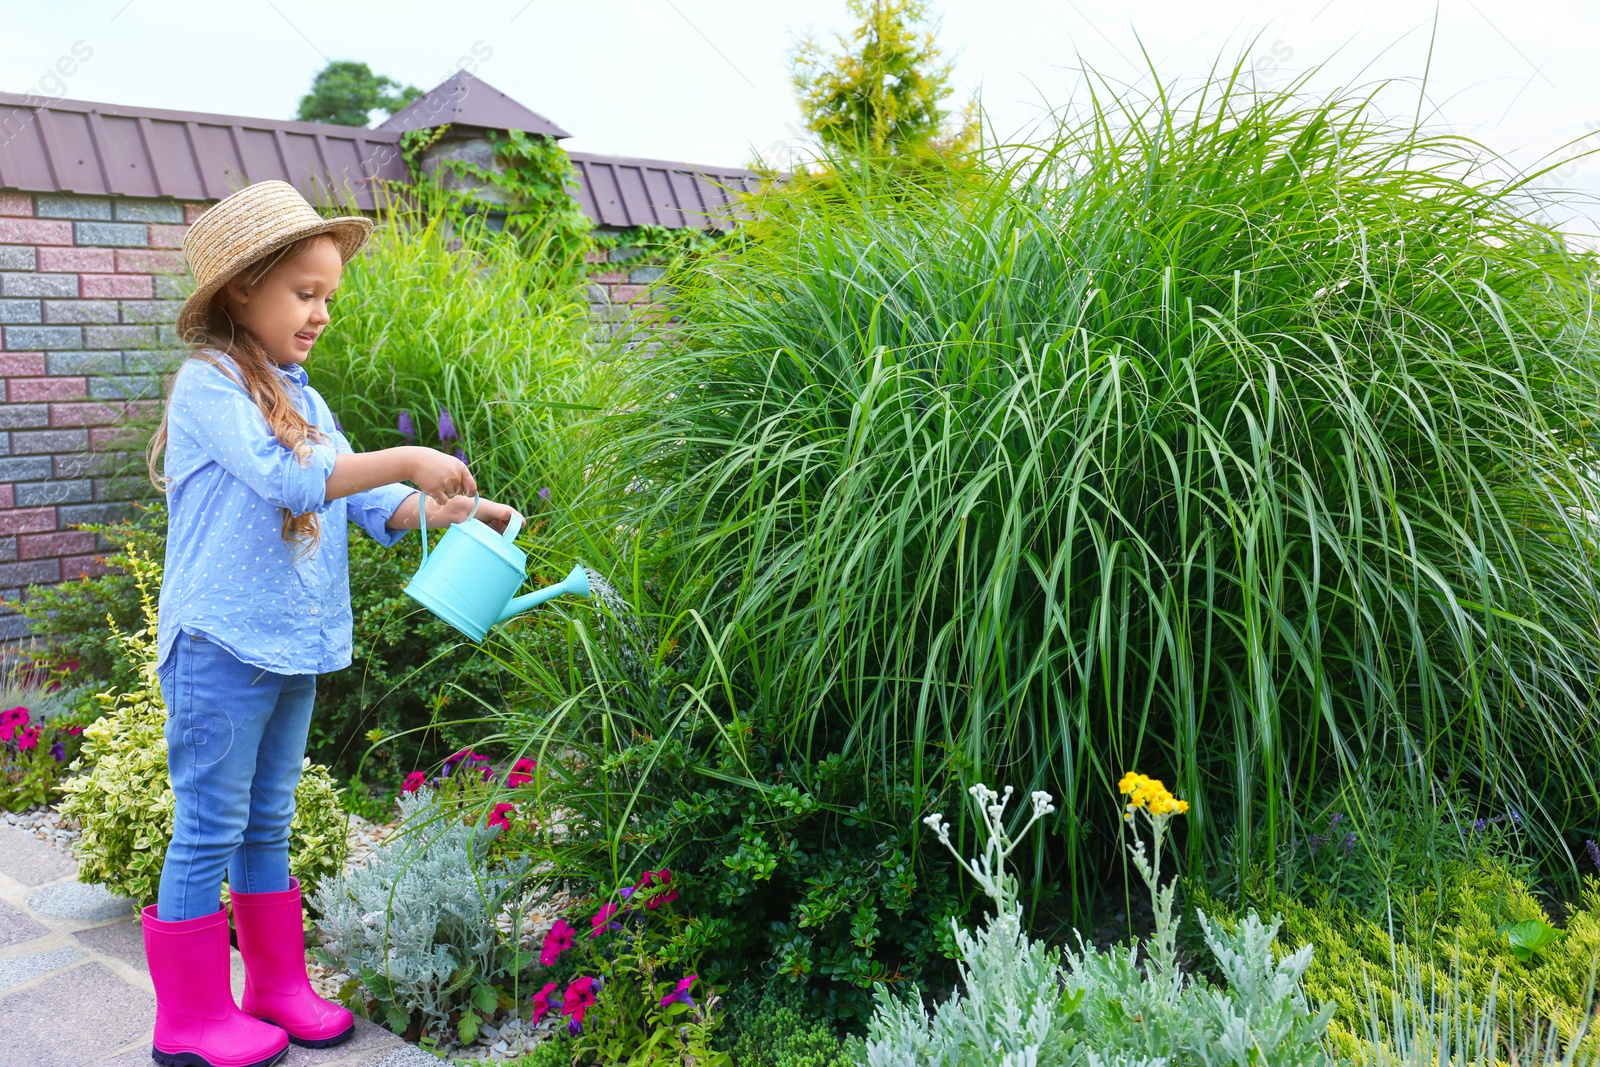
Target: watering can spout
576 583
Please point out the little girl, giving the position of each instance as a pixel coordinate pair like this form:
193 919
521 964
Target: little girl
255 603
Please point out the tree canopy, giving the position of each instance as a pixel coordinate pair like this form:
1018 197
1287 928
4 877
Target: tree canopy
346 92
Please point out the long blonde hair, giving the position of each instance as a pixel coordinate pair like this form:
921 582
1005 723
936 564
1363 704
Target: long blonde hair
260 381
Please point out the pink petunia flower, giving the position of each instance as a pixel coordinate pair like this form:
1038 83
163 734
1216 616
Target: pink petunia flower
28 737
541 1002
501 815
521 772
12 720
600 919
414 781
557 941
663 878
578 999
682 992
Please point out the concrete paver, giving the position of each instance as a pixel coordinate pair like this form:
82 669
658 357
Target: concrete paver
74 987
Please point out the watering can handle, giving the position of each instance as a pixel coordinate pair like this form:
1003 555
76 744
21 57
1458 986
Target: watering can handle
422 518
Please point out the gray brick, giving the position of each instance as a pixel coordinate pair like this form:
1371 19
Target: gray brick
73 514
39 338
118 337
150 361
117 234
87 464
173 286
25 469
80 311
34 570
17 257
13 627
140 209
24 416
133 487
150 310
39 285
8 549
622 255
84 362
124 387
167 334
68 206
646 275
38 494
5 443
32 442
15 311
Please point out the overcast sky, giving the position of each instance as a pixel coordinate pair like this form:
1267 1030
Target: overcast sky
706 81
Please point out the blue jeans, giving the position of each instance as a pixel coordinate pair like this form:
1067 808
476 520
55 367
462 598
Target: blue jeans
236 739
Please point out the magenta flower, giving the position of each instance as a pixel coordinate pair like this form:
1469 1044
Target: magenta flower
682 992
12 720
414 781
74 730
447 426
663 878
577 1000
58 751
557 941
541 1002
501 816
28 737
521 772
408 429
601 918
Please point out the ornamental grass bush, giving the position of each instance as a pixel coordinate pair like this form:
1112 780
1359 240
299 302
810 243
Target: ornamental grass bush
1240 434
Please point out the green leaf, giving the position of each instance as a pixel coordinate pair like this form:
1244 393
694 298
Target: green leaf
484 998
467 1028
1530 936
397 1018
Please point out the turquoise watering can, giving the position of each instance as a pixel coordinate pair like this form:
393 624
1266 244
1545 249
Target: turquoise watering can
471 580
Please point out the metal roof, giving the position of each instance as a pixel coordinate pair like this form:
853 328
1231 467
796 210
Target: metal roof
96 149
465 100
76 146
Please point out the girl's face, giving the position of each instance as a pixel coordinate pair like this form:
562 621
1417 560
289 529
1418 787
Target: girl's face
288 309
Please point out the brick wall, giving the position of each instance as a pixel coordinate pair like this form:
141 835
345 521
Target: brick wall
89 287
618 290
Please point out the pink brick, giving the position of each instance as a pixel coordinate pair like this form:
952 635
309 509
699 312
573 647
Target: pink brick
16 204
113 286
60 543
27 520
109 437
7 496
168 235
91 414
194 211
626 294
83 567
150 261
22 390
34 232
608 277
24 364
74 259
595 257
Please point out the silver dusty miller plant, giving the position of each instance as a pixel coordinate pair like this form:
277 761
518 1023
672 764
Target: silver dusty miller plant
1023 1004
415 925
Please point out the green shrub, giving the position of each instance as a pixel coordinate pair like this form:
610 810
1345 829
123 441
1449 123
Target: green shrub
775 1030
1242 434
122 796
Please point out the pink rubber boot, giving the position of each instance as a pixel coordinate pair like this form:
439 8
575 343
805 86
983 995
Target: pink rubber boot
197 1022
276 989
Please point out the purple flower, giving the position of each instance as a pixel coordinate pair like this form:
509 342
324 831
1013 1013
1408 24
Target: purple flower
1516 816
1594 852
574 1027
1336 820
59 751
1479 824
1349 842
462 456
407 428
544 494
682 992
447 426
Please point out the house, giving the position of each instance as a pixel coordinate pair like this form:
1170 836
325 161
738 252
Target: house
94 202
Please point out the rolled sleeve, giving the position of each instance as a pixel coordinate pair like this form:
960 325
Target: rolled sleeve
371 508
228 426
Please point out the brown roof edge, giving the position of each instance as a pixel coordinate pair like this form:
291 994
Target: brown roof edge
28 100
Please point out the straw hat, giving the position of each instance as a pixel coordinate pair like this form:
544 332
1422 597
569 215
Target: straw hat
250 225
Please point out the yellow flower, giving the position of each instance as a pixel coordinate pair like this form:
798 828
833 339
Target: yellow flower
1151 794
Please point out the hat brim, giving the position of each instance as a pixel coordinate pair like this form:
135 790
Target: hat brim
349 232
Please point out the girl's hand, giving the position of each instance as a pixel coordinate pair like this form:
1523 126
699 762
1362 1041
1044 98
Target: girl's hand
440 475
459 509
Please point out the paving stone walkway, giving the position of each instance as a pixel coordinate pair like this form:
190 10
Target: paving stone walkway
74 987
